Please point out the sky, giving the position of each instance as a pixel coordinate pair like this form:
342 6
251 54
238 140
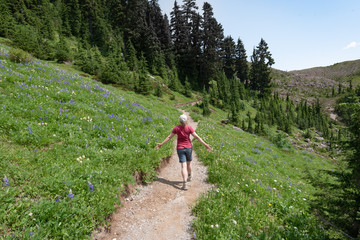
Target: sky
300 33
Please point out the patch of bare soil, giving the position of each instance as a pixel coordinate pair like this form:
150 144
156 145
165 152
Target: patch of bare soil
160 210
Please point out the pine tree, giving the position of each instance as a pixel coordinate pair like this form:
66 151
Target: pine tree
250 122
6 20
63 53
229 60
241 65
261 62
205 104
234 114
211 38
130 56
187 88
144 85
158 90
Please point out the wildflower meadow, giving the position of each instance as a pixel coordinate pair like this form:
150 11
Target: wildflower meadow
68 147
261 191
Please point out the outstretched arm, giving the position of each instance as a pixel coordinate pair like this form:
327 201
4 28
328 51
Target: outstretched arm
208 147
165 141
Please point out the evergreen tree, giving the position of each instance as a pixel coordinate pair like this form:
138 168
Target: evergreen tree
63 53
211 39
261 62
214 93
6 20
250 123
228 57
144 85
205 104
158 90
234 114
187 88
241 65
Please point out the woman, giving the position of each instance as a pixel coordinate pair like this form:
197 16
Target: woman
184 147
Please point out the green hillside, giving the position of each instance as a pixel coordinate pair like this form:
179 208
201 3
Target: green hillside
318 82
69 145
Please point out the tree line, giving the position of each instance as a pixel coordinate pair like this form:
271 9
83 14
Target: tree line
122 42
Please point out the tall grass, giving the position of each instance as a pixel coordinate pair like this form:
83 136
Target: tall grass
262 192
68 147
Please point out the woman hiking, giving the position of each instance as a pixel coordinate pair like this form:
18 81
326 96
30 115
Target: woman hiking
184 147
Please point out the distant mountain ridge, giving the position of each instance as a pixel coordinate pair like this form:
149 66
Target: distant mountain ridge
317 82
335 71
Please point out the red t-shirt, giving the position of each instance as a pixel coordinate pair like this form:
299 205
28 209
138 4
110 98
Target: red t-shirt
183 136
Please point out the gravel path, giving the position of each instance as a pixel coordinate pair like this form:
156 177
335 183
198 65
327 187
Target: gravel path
160 210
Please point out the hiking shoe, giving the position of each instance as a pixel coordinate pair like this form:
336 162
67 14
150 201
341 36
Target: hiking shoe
189 178
184 186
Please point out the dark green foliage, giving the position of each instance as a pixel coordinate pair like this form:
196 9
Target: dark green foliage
211 38
158 90
62 53
241 65
187 92
90 60
229 57
205 105
234 118
250 122
261 61
144 85
6 20
26 38
339 202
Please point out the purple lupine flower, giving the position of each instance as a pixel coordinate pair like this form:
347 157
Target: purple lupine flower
136 104
194 235
237 211
5 182
257 150
148 140
30 130
71 195
91 187
58 199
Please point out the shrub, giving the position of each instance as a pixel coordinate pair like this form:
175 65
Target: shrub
280 140
17 55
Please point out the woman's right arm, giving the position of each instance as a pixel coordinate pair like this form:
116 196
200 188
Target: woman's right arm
165 141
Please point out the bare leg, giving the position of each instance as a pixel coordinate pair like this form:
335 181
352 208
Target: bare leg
188 164
183 171
184 175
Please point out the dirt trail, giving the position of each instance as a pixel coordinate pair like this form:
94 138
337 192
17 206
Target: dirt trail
160 210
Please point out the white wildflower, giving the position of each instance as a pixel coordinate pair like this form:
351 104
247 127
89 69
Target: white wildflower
217 225
234 222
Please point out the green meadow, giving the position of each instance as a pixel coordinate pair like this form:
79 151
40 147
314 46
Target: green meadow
69 145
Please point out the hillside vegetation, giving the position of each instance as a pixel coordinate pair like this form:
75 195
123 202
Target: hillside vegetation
69 145
320 82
